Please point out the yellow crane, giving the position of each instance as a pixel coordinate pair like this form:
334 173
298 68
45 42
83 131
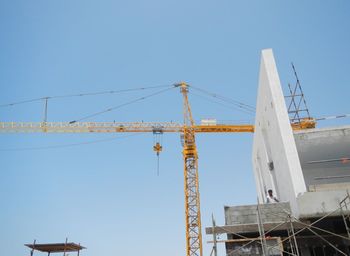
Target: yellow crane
187 130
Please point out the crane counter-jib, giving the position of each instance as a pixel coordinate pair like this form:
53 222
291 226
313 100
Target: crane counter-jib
115 127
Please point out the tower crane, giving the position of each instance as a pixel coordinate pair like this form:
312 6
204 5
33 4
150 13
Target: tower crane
187 130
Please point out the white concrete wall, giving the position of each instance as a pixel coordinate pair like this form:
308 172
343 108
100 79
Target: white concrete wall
274 141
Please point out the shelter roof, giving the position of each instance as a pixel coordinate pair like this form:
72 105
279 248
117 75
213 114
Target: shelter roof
58 247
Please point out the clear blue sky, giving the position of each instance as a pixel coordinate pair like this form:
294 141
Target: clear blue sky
107 195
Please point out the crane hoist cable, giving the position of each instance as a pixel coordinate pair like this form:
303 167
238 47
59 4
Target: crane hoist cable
224 104
122 105
157 141
83 94
226 99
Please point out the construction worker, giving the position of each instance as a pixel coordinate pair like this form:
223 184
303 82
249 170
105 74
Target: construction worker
270 198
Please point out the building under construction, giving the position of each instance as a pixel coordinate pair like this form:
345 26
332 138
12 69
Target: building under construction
308 170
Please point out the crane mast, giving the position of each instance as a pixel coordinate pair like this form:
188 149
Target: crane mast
192 201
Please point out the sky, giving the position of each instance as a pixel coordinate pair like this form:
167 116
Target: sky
104 191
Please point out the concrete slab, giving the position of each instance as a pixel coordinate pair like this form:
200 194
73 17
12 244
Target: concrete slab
252 228
318 204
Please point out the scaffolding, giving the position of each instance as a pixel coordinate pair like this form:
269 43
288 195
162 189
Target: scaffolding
297 107
345 211
267 245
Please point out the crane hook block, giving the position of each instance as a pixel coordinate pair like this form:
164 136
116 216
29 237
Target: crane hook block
157 148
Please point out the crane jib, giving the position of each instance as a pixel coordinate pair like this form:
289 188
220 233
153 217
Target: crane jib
111 127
